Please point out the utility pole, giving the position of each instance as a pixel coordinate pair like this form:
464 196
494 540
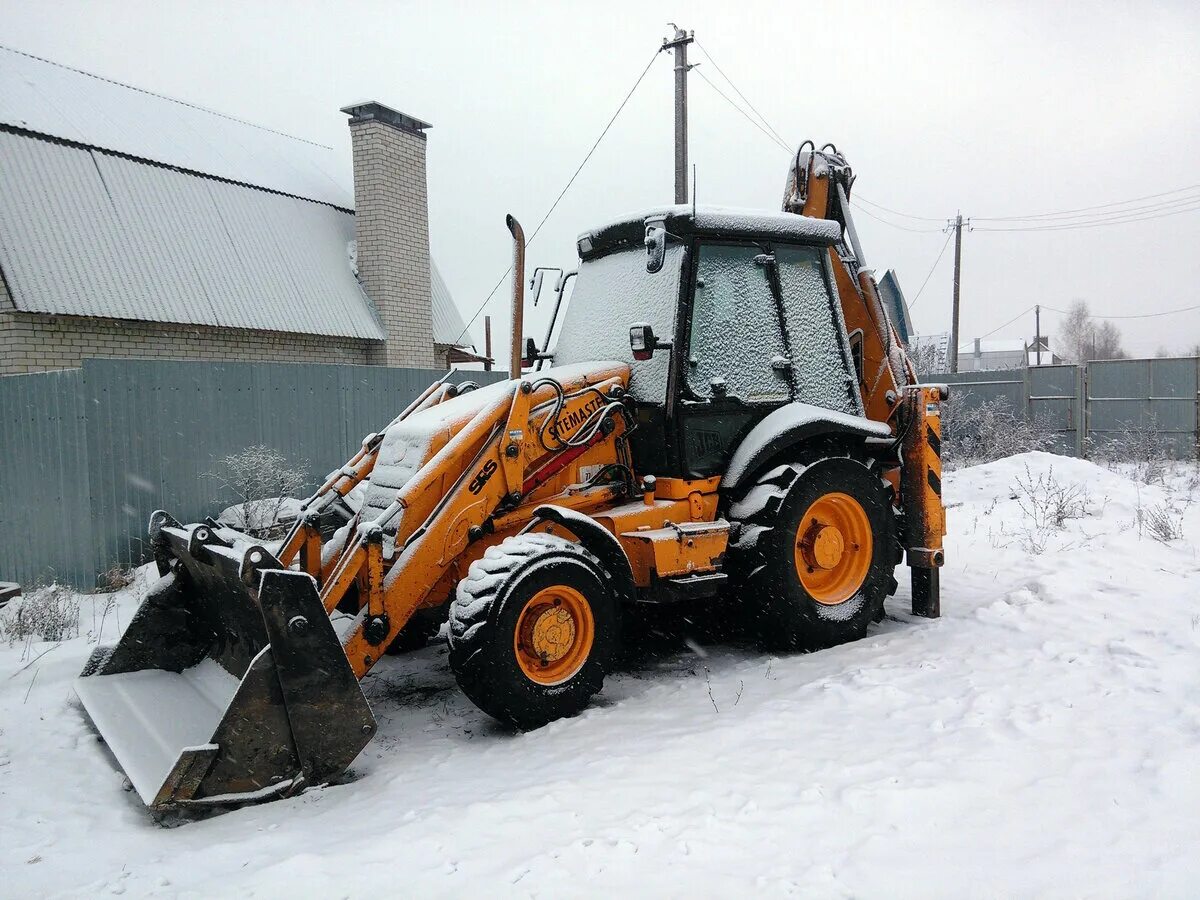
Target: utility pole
957 225
1037 333
679 45
487 343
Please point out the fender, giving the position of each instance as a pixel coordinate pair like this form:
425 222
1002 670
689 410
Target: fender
598 541
788 426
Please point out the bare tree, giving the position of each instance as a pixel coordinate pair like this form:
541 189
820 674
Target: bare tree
1074 338
262 481
1106 342
1082 338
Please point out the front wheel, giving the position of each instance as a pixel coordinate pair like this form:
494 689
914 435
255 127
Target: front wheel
533 629
816 549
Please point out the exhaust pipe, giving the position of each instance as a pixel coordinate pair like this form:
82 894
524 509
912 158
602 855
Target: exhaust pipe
518 307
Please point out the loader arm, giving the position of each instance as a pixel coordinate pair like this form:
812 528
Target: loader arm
487 467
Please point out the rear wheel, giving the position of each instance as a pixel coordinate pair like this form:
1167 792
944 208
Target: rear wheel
815 551
533 630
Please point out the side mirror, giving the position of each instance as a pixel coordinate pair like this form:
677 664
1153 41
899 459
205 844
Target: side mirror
531 353
656 244
535 285
643 343
535 282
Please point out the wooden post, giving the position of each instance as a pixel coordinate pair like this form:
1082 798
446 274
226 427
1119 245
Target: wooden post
487 343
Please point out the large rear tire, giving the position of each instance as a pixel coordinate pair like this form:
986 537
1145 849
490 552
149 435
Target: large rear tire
533 630
815 552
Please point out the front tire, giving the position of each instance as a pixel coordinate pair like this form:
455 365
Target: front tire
816 551
533 630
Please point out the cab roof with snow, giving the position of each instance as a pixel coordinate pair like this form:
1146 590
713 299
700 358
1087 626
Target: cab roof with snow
682 222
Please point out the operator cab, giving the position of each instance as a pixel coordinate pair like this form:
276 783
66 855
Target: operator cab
723 316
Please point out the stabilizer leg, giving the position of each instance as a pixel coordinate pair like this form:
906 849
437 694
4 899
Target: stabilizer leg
926 592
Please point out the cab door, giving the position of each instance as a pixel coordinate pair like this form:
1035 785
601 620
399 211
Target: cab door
735 367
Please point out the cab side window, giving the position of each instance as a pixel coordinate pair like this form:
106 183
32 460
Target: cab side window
735 342
825 367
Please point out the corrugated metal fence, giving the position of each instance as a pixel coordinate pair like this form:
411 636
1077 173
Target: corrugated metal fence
87 454
1089 405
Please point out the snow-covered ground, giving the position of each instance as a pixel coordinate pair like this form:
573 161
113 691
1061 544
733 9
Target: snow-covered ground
1043 737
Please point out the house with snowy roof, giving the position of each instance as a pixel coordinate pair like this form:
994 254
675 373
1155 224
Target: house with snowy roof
979 354
135 225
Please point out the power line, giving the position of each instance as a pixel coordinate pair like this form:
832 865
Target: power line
1102 223
1090 221
1169 312
932 268
897 213
763 118
773 135
778 141
1028 309
563 192
867 212
1156 206
1084 209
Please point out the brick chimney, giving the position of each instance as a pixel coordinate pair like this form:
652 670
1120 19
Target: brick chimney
392 228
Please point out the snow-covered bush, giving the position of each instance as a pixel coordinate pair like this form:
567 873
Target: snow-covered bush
47 613
1140 451
1047 504
264 482
1161 522
984 432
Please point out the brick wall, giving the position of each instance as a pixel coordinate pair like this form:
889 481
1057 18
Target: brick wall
35 342
392 229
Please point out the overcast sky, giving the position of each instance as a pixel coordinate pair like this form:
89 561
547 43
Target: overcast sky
999 109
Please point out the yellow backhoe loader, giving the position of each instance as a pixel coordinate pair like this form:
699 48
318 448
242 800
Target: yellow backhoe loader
775 452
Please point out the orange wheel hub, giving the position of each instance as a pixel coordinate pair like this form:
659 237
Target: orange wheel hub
554 634
833 548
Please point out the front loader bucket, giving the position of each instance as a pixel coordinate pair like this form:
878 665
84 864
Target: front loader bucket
229 685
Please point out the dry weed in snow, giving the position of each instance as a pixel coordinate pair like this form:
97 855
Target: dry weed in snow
49 613
117 578
1161 522
1046 505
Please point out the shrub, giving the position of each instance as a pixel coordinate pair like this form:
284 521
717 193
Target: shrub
116 579
46 613
1047 505
987 431
1141 447
1161 522
263 481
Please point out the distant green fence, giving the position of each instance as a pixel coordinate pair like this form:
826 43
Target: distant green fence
1086 406
87 454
